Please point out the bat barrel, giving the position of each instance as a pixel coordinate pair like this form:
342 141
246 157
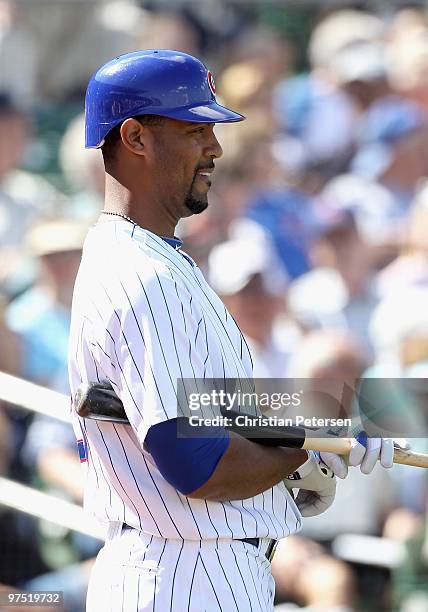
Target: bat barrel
342 446
410 458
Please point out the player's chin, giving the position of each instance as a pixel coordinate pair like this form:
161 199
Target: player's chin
195 204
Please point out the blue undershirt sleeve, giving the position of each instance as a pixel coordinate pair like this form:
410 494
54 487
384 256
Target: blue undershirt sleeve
186 462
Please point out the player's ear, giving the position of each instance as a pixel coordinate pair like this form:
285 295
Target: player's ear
133 135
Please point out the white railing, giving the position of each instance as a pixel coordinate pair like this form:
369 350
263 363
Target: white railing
29 396
48 507
33 397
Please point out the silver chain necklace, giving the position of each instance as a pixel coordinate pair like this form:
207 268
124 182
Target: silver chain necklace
116 214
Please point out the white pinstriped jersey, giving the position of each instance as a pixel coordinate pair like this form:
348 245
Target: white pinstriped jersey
143 316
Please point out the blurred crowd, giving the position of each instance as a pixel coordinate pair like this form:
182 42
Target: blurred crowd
316 238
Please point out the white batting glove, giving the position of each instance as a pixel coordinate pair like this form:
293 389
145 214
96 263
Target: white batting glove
316 484
365 452
336 463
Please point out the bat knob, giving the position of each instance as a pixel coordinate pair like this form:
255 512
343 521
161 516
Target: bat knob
80 405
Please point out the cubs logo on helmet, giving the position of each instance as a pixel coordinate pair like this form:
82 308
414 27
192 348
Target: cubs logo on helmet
211 81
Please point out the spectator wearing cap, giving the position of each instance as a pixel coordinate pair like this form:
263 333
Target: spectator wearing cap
41 315
312 107
248 277
360 70
393 150
319 115
388 125
387 171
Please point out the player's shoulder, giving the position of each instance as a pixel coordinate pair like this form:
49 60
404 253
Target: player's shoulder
119 246
119 254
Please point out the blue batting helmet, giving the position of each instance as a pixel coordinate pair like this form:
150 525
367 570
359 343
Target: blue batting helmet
151 82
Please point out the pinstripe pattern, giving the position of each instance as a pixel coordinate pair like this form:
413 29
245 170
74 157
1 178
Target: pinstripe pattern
175 575
143 317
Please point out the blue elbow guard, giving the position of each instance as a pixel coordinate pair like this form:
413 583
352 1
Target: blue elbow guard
186 462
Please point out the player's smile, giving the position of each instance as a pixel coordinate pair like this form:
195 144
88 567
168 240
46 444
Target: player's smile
205 175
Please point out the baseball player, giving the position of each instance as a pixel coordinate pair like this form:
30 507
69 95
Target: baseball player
192 521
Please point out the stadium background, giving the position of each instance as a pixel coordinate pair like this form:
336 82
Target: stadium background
316 238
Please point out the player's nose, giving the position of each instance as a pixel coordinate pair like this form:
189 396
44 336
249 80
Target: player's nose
213 147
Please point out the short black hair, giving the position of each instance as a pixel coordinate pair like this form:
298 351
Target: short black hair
110 142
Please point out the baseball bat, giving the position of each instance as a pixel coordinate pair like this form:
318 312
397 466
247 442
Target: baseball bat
98 401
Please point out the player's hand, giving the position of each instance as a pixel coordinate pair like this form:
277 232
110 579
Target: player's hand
316 484
313 503
365 452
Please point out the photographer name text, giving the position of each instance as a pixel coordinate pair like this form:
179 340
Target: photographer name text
245 420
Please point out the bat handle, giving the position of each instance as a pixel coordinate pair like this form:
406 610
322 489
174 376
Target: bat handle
341 446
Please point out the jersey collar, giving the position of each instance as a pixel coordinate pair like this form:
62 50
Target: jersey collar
176 243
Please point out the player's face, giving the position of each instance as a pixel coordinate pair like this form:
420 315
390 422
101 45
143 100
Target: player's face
186 156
